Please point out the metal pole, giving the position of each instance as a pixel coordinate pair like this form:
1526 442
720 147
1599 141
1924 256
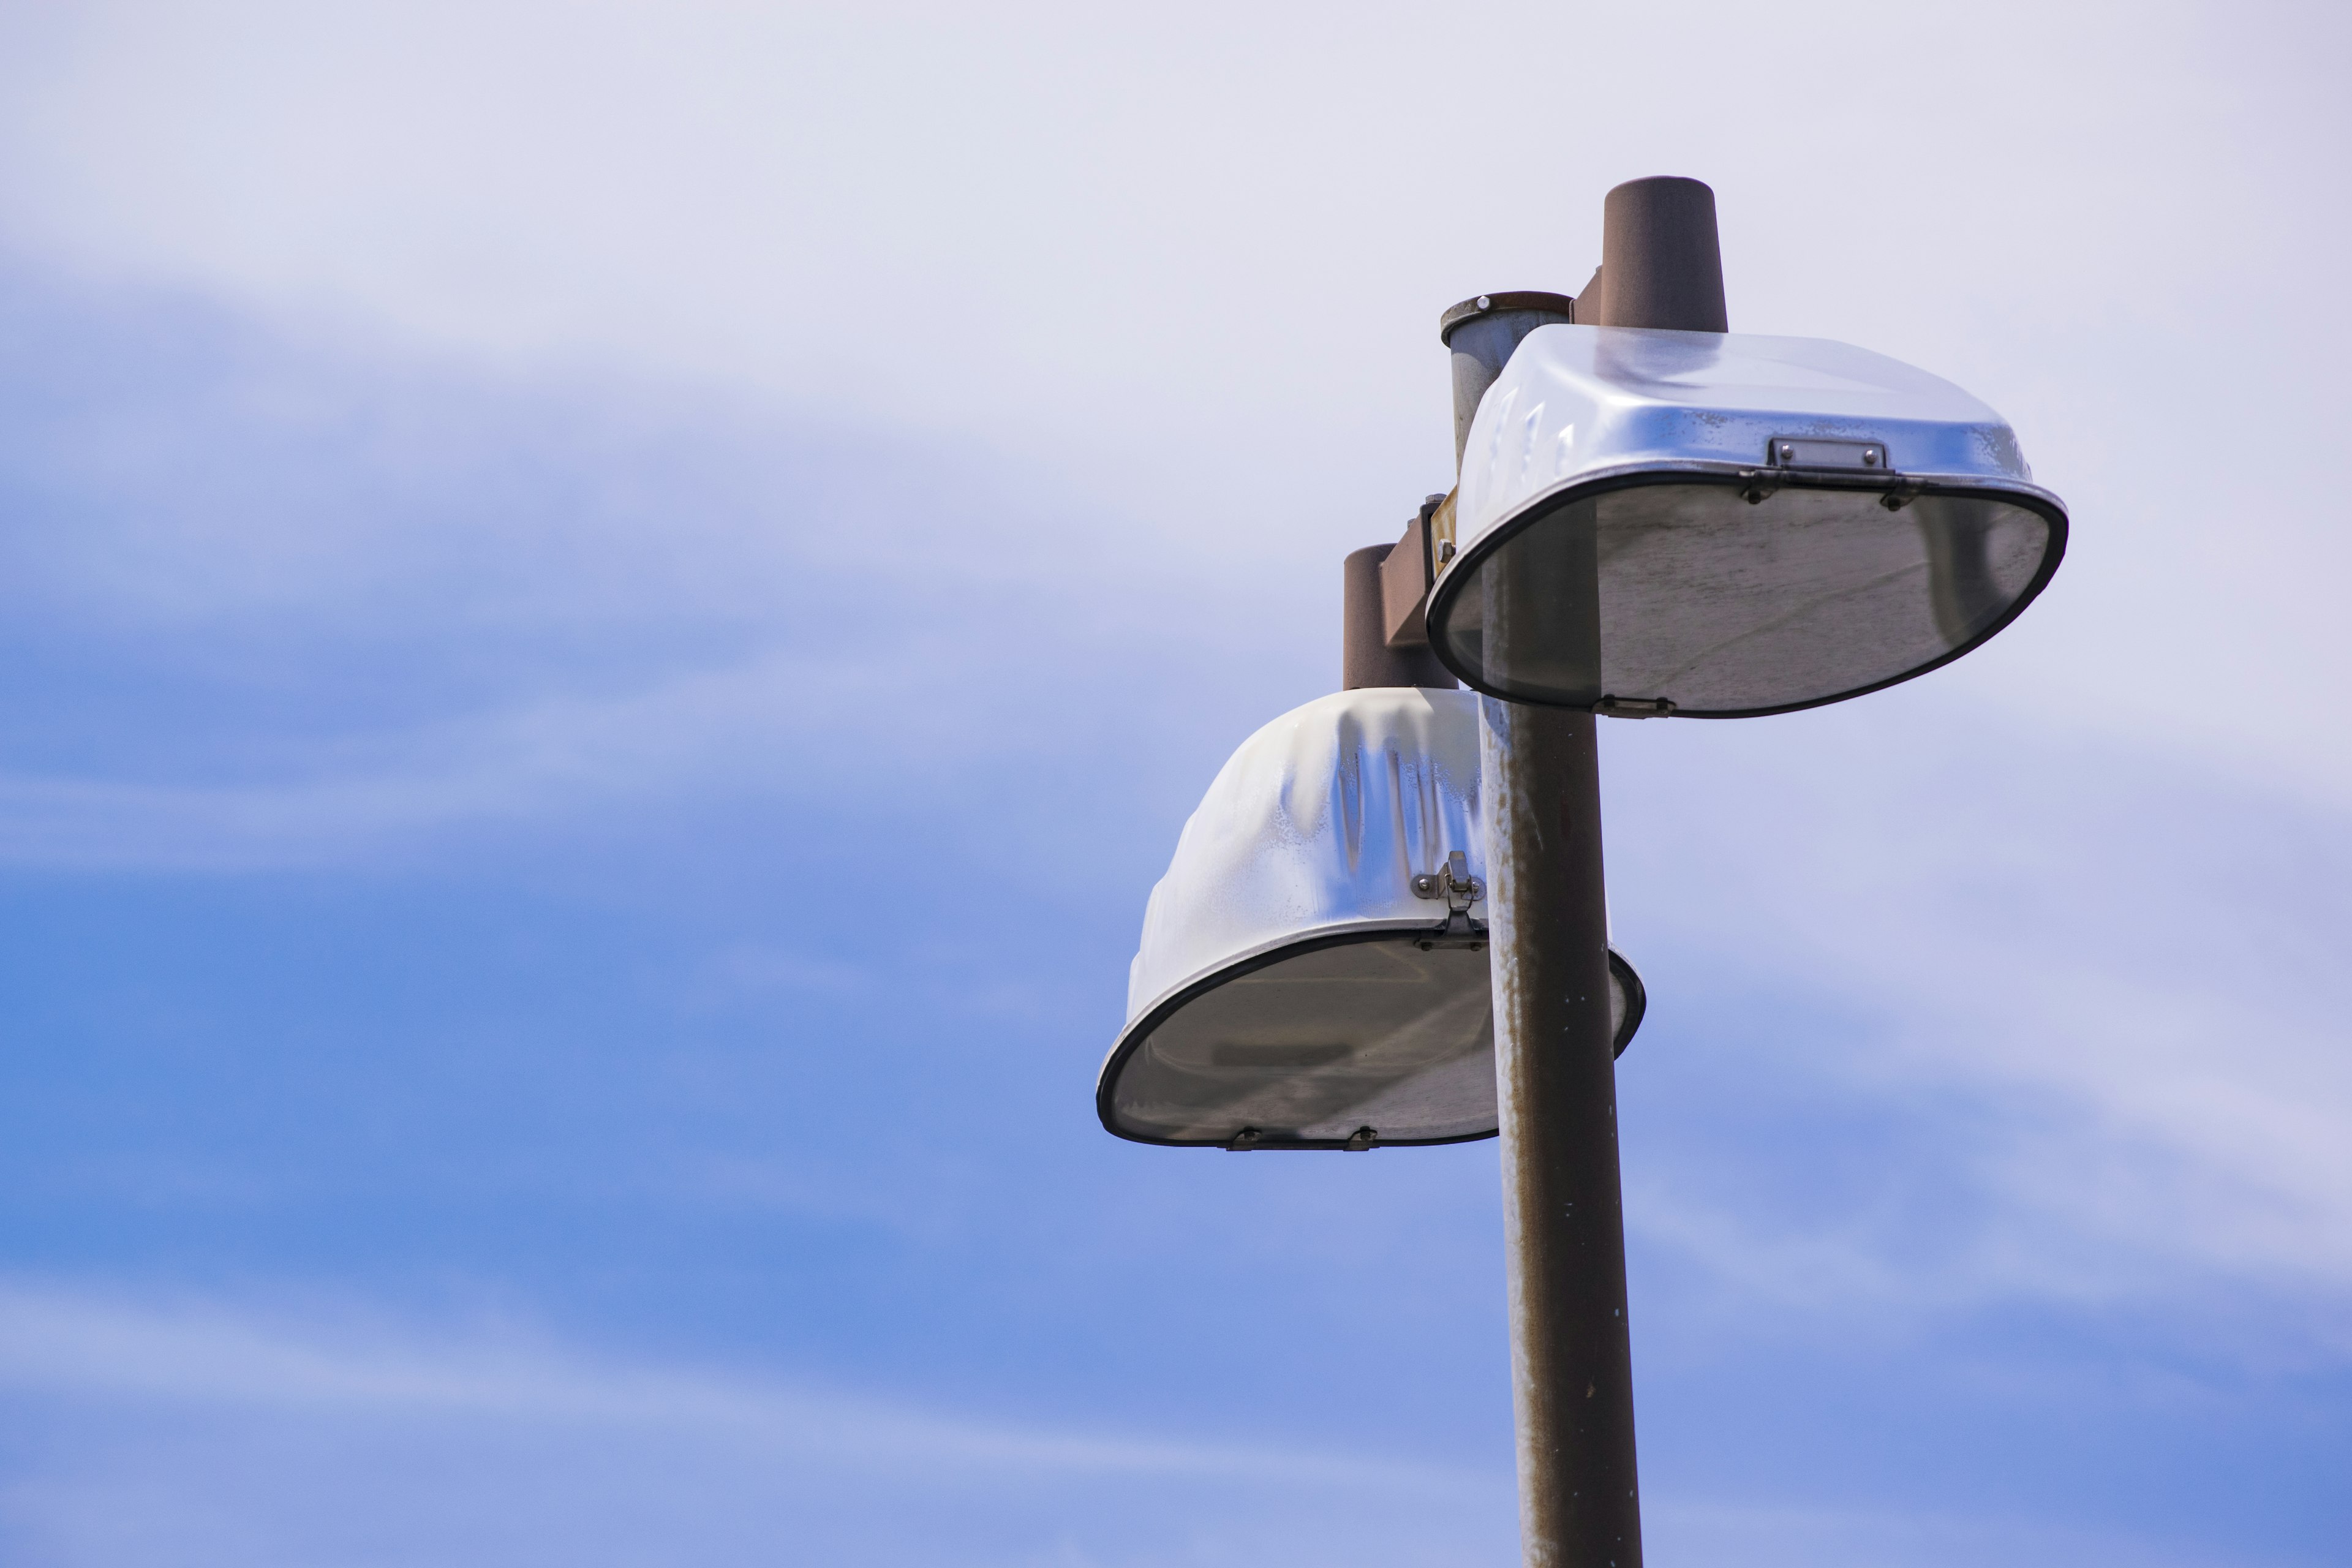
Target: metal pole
1563 1218
1563 1211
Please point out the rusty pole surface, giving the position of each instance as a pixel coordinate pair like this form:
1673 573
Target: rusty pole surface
1547 925
1563 1218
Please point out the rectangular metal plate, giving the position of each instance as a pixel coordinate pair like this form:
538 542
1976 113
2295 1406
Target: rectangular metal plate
1825 452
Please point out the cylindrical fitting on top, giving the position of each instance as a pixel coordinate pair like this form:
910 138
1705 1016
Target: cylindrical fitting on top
1365 657
1482 333
1661 259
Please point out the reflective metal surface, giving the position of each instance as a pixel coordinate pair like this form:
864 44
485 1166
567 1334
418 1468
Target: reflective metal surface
1719 525
1292 989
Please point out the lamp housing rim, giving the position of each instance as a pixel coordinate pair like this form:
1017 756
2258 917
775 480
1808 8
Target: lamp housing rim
1446 591
1131 1038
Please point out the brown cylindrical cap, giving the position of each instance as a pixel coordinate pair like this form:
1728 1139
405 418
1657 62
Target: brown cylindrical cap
1661 259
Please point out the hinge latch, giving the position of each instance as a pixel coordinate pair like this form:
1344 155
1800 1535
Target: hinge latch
1460 890
1634 708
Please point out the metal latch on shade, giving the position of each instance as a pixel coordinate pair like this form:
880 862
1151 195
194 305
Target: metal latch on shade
1460 890
1250 1137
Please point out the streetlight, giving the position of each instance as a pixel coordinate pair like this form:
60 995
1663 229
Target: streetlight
1654 518
1313 972
1654 521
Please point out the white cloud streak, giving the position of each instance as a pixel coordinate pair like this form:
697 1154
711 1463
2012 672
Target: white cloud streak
270 1436
195 1433
2118 1022
1186 263
62 1343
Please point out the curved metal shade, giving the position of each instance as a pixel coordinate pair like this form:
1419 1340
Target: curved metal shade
1294 988
1721 526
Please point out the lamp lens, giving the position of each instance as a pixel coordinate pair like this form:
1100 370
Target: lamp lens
1690 593
1318 1042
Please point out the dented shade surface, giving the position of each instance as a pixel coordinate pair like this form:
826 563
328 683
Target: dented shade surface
1292 989
1719 525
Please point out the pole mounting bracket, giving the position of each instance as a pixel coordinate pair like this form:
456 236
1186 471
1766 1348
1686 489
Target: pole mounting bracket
1460 890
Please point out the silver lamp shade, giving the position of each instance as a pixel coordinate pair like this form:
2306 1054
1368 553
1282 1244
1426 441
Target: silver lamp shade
1314 970
1720 525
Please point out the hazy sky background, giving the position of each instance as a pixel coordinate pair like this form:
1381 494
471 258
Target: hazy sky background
610 610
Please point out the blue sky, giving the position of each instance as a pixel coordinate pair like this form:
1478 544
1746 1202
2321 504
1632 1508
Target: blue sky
611 611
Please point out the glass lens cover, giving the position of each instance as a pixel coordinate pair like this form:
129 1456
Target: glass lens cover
1690 593
1320 1044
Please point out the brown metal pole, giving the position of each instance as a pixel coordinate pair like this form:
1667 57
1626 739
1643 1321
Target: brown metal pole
1563 1218
1563 1210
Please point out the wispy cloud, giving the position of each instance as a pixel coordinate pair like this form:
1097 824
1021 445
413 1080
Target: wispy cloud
298 610
314 1429
1122 308
59 1341
606 1459
2112 1024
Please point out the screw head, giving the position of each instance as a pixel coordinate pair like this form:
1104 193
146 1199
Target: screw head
1483 301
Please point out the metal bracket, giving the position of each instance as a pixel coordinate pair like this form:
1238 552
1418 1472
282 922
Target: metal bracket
1247 1137
1902 494
1452 882
1361 1139
1759 485
1634 708
1408 571
1460 890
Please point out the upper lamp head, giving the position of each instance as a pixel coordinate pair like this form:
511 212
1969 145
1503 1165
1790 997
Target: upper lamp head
1721 525
1314 972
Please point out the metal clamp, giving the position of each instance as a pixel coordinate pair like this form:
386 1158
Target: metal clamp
1758 486
1634 708
1460 890
1902 494
1452 882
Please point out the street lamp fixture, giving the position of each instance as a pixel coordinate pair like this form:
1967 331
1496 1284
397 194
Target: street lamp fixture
1721 525
1388 923
1314 972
